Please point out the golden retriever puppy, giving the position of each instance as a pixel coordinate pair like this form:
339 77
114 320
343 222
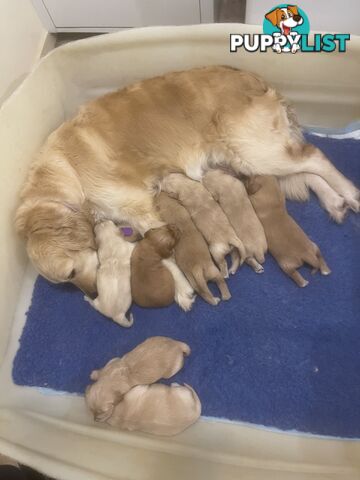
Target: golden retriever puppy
153 359
231 194
113 277
287 242
118 147
208 218
157 409
156 281
191 251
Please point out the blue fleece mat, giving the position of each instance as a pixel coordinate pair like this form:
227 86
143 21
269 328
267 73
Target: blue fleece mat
274 355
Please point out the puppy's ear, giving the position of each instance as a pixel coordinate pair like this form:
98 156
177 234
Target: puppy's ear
95 375
252 185
272 16
293 9
163 239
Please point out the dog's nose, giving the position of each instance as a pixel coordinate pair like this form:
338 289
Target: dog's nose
297 18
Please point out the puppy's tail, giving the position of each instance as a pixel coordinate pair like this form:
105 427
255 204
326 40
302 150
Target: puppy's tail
202 288
238 244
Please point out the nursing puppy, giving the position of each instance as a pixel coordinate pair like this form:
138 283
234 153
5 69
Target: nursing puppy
231 194
113 276
208 218
153 359
156 281
157 409
287 242
191 251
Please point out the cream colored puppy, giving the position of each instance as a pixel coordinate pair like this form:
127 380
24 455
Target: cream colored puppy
231 194
153 359
210 220
113 276
157 409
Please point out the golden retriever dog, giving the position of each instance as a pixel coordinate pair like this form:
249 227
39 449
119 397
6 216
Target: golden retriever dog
157 409
118 147
232 197
113 277
191 251
153 359
287 242
208 217
156 280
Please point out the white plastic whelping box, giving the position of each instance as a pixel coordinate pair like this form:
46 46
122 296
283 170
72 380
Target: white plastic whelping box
54 433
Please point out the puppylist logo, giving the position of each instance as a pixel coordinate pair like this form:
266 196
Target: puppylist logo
286 29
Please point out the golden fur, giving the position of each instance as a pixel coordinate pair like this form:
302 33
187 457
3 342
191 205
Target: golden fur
113 276
157 409
118 147
287 242
208 217
191 251
231 195
153 359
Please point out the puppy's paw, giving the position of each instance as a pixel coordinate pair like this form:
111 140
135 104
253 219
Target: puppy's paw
353 200
215 301
184 301
338 210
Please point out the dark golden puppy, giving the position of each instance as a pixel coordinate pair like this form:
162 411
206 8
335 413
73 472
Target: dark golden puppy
156 280
191 251
287 242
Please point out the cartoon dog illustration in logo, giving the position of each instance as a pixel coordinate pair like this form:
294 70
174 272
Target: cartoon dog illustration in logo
285 19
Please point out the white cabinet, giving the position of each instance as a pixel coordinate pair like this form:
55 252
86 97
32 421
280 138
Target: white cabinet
108 15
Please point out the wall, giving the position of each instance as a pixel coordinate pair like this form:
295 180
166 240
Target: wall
324 15
21 39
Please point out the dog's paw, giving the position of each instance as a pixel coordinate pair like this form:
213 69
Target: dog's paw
185 301
353 201
338 210
259 269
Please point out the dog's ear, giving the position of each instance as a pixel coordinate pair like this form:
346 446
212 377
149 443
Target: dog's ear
163 239
293 9
252 185
272 16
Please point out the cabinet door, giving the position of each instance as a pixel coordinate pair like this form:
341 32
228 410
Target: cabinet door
121 13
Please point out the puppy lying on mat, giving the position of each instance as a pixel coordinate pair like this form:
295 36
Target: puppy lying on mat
119 147
157 409
153 359
288 243
156 280
113 276
233 199
208 218
191 251
125 396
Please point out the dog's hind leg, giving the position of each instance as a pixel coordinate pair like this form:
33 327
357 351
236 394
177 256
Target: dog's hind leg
235 261
218 252
296 187
306 158
184 293
296 276
252 262
215 275
202 287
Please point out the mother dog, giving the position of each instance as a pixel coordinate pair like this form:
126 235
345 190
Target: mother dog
116 150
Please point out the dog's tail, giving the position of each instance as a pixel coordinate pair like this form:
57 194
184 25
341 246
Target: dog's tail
201 286
238 244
